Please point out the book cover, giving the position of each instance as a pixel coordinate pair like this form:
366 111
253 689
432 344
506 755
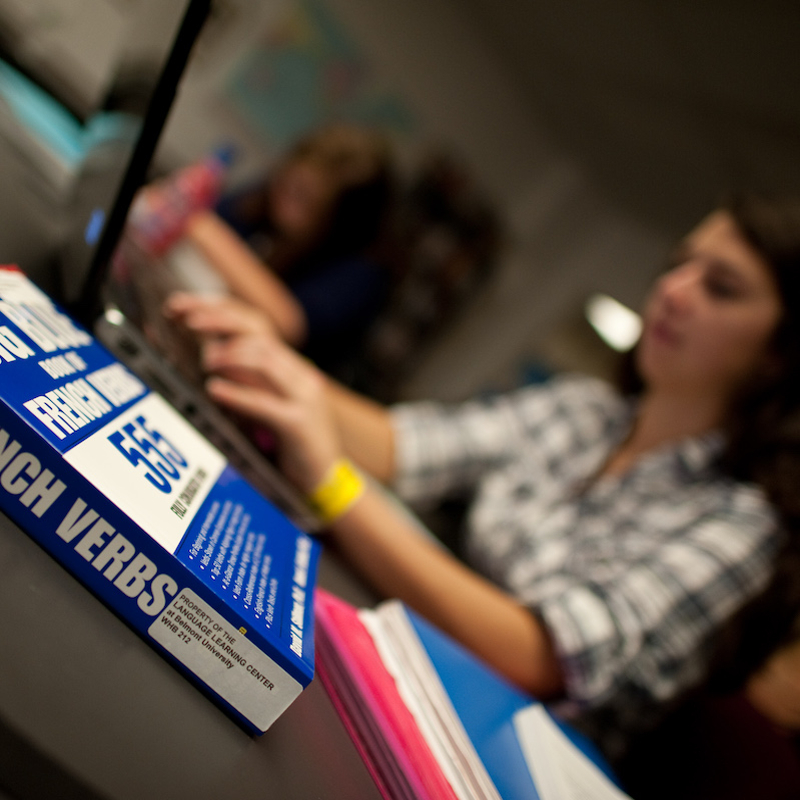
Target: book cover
147 514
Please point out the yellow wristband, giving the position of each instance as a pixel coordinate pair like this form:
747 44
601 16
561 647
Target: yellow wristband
338 491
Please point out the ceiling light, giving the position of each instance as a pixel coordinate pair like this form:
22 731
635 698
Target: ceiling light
615 323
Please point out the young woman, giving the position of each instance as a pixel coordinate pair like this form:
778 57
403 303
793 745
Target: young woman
304 244
611 540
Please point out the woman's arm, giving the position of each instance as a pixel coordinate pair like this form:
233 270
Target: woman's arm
398 561
365 429
268 382
246 276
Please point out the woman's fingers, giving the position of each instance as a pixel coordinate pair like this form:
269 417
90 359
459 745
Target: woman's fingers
260 377
215 316
251 401
265 380
307 440
262 360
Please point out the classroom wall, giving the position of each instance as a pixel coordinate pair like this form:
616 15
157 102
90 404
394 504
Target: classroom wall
600 130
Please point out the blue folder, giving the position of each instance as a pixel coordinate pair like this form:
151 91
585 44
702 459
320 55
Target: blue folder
486 704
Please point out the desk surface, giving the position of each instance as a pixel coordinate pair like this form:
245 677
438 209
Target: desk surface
88 709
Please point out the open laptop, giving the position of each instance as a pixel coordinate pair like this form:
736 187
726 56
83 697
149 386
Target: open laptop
101 197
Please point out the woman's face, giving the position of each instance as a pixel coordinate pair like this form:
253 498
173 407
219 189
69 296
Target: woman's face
709 320
300 199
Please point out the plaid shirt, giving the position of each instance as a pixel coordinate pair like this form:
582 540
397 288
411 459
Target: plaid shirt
632 575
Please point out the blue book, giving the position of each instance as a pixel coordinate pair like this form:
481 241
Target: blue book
141 508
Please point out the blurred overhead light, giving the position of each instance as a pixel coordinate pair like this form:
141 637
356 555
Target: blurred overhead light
616 324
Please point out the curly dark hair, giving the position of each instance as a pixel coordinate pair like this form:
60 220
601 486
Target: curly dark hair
763 426
763 429
358 163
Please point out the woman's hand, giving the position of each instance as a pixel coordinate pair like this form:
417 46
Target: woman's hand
775 689
211 316
260 377
362 425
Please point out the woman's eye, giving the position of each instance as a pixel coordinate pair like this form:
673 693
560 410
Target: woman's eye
722 289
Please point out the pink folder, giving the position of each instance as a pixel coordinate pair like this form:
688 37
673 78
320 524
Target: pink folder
366 698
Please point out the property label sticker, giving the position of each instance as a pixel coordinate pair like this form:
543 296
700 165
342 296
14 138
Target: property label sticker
201 639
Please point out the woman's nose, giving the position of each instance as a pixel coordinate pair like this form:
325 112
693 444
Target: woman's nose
677 287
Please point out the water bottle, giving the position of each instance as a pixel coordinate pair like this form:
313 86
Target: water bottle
160 211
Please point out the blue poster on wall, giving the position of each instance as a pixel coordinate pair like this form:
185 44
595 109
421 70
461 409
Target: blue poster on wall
307 71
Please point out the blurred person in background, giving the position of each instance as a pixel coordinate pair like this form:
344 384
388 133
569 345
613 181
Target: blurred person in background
308 243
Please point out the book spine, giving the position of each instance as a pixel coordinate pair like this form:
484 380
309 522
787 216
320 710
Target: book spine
141 581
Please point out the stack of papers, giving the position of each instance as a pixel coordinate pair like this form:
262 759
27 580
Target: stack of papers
422 691
371 707
559 769
432 721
